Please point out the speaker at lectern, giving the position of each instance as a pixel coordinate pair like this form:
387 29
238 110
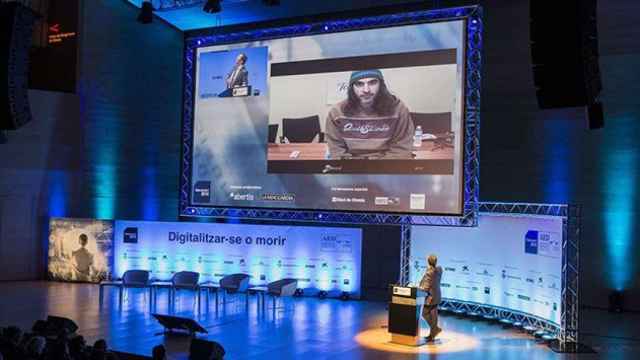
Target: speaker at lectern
404 315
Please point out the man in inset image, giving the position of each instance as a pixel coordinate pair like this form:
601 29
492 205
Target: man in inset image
83 260
238 76
371 123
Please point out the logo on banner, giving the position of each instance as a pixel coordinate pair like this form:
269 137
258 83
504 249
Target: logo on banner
130 235
531 242
202 192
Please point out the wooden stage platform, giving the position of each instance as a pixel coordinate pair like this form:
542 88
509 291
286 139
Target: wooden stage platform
302 328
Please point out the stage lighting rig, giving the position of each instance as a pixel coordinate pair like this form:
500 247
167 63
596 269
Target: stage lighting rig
146 13
212 6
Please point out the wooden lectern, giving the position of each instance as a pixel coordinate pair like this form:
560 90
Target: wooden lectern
404 315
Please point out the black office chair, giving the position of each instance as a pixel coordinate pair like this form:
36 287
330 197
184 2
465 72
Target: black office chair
302 130
432 123
273 133
130 279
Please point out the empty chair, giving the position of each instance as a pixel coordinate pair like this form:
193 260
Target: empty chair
130 279
302 130
432 123
185 280
235 283
281 288
273 133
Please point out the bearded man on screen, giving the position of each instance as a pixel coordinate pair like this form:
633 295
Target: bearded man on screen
371 123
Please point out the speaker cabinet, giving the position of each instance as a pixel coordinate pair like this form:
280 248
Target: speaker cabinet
16 29
564 52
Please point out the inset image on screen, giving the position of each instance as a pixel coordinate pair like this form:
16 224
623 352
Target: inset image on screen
334 115
233 73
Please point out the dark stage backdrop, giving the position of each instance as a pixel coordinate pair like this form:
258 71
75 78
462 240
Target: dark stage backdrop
113 151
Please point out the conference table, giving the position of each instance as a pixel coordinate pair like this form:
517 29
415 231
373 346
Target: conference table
318 151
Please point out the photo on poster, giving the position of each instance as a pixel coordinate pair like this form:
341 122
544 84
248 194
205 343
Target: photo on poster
80 250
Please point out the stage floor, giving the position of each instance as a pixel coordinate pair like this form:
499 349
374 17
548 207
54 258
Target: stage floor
301 328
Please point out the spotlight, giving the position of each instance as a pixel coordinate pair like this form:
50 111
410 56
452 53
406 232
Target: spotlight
322 294
271 2
146 13
616 301
298 293
344 296
212 6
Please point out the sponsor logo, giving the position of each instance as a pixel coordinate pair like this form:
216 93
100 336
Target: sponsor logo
228 262
530 280
242 262
531 242
310 266
484 272
446 285
278 197
345 281
202 191
386 201
524 297
417 201
487 290
242 197
263 277
465 268
130 235
450 269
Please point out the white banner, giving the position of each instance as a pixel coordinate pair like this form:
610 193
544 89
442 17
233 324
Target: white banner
321 258
508 261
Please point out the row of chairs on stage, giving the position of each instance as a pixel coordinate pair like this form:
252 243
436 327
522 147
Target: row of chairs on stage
189 280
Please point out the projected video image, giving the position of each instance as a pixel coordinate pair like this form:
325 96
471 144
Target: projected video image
373 109
365 120
233 73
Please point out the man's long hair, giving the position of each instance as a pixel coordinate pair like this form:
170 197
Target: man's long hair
383 104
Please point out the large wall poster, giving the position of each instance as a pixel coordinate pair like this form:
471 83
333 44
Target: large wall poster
80 249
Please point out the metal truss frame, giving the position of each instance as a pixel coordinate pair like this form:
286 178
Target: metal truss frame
405 254
472 16
567 332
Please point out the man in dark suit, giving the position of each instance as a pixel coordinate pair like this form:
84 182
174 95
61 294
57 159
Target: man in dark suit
431 283
238 76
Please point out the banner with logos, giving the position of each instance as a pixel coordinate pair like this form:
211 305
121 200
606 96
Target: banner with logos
80 249
321 258
508 261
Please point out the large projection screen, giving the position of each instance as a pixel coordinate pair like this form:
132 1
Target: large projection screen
371 119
